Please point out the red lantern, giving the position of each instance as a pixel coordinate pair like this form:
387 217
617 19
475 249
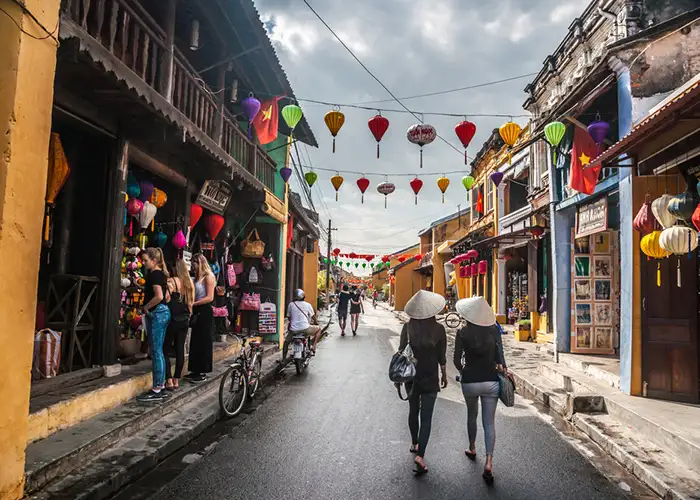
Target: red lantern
353 255
378 126
644 220
369 258
483 267
416 185
363 184
402 259
465 272
474 269
336 251
385 259
195 214
213 224
465 132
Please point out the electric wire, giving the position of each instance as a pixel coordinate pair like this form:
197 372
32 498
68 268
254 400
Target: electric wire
49 34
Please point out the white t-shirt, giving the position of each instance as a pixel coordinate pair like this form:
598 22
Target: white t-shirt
300 314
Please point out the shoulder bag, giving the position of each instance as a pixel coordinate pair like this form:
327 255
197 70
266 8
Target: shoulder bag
506 389
402 368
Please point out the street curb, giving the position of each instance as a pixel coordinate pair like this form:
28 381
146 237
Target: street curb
137 455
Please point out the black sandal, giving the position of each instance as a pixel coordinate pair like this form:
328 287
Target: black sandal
420 469
488 477
414 449
471 456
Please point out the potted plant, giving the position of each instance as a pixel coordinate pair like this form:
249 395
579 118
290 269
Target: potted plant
522 332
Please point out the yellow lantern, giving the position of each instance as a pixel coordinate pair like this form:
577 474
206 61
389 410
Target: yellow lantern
334 121
443 183
652 249
158 198
510 133
337 181
57 174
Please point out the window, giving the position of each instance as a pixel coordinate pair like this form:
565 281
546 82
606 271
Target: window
488 198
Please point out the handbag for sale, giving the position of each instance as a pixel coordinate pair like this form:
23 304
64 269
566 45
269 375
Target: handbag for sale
220 312
506 390
250 302
254 276
253 248
231 275
238 267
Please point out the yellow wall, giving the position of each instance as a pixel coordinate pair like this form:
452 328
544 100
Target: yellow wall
408 282
311 276
27 69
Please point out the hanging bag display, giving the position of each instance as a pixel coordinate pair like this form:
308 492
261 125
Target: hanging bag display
252 248
254 276
250 302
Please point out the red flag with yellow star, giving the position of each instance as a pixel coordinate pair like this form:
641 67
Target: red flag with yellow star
267 121
583 177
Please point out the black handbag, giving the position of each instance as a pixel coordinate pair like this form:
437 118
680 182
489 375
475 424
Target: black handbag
402 369
506 390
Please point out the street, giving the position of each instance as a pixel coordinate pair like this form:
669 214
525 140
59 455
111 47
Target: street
340 431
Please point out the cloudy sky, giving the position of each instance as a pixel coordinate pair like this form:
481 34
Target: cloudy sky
414 47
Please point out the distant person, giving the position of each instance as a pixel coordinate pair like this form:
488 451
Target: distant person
428 342
478 358
343 308
356 307
181 290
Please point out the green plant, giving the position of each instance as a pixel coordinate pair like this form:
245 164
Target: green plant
524 324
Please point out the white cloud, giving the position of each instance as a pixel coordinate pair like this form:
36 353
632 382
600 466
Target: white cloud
565 13
436 21
293 35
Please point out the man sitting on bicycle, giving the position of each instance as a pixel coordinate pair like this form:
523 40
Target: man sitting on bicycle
301 314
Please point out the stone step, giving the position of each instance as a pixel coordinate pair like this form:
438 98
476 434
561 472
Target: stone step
531 385
667 476
71 448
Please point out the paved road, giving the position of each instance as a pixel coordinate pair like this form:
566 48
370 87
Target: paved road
340 432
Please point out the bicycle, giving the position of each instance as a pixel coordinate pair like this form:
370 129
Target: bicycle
452 319
243 378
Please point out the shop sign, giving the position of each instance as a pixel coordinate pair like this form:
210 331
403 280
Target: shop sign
592 218
215 196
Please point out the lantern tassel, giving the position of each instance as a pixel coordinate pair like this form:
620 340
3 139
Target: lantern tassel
153 224
421 157
658 274
47 223
678 273
249 127
334 144
465 156
377 150
336 196
416 199
131 227
363 198
510 156
385 202
554 153
443 197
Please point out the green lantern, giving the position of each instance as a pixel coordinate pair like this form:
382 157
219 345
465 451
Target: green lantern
347 264
364 266
310 178
325 260
468 182
356 265
388 265
292 115
335 262
372 265
554 132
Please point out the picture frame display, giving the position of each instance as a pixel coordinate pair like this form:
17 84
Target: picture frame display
582 267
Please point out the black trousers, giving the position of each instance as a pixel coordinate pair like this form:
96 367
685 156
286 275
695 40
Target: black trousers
175 338
202 340
420 418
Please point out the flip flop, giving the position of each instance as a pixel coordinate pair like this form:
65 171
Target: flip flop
470 456
420 469
413 449
488 477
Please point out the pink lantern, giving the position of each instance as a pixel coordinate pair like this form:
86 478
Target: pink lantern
465 272
133 208
472 254
474 269
179 241
483 267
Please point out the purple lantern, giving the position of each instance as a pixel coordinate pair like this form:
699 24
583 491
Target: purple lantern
286 173
251 107
496 177
598 130
146 190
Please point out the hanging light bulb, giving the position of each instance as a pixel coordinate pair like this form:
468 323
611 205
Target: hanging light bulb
194 35
234 91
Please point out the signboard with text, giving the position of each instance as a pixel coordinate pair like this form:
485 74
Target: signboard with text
592 218
215 196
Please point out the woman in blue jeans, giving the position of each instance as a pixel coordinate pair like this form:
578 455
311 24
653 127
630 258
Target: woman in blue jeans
157 316
478 358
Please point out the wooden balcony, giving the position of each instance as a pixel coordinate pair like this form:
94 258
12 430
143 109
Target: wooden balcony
128 33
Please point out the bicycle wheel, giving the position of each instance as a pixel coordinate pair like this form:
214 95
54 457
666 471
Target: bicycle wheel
255 376
233 390
453 320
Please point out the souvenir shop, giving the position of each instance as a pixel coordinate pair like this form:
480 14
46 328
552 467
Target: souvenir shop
516 283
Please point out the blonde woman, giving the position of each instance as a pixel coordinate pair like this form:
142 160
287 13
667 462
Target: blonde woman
157 318
181 290
202 341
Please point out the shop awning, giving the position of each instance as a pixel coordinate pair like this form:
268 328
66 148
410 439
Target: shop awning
273 207
506 239
673 109
446 247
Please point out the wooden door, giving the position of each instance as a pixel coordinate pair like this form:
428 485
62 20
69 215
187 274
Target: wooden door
669 320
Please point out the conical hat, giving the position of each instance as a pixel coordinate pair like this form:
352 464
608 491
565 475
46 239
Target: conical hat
477 311
424 305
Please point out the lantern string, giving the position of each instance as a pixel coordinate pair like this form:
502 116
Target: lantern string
386 175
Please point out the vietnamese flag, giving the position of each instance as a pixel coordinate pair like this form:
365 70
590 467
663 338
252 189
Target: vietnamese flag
480 202
267 120
583 176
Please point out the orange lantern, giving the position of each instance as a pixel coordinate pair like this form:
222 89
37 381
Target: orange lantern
334 121
158 198
337 181
509 133
443 183
58 173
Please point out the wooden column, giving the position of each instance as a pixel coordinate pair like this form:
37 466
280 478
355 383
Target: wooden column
221 104
168 62
110 296
532 298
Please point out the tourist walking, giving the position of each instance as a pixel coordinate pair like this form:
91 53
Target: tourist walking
157 317
201 359
478 359
181 291
356 307
428 343
343 307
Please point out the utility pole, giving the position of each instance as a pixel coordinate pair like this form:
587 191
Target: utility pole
459 215
328 266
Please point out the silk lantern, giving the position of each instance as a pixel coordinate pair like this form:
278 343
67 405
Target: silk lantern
378 126
696 217
250 106
679 240
442 184
292 114
310 178
468 182
213 223
133 189
133 208
362 185
336 251
472 254
421 134
465 131
147 215
285 173
179 241
386 188
146 188
57 175
416 186
196 212
644 220
483 267
683 205
554 132
510 132
158 198
402 259
357 264
496 177
598 130
334 121
659 208
474 269
337 181
142 240
652 249
160 238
